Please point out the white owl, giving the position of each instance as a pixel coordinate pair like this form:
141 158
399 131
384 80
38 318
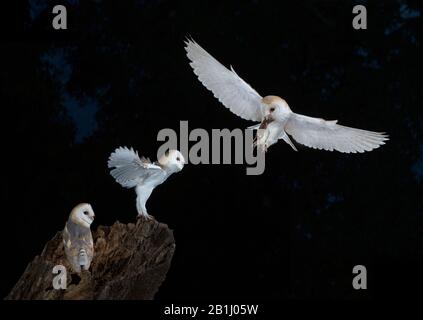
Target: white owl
77 238
277 120
131 171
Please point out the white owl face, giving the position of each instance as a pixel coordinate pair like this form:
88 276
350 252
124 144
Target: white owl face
173 160
275 108
83 215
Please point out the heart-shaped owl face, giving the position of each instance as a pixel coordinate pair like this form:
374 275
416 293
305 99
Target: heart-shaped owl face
172 160
83 215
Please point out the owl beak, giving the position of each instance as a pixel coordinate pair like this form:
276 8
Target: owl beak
91 218
266 120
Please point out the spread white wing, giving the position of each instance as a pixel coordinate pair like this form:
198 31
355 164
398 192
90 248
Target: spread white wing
328 135
233 92
129 170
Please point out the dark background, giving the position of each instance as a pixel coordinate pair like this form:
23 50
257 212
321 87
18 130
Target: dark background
119 74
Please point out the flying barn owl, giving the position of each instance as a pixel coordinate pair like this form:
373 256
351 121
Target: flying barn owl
277 121
131 171
77 238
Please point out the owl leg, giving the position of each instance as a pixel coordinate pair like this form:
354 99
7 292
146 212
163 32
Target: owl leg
142 196
139 207
144 214
262 147
142 211
285 138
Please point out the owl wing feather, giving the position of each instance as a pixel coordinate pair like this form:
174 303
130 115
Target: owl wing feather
129 169
86 253
233 92
79 247
328 135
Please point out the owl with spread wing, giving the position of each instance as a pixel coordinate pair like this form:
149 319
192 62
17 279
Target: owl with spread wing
277 120
131 171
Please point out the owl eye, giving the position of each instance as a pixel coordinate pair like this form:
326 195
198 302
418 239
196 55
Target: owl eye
177 159
86 213
272 109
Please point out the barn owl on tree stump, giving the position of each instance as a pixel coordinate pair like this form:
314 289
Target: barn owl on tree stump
77 237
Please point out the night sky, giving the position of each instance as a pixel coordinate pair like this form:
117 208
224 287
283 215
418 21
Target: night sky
119 75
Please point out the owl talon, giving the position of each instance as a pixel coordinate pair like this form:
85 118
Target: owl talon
145 216
262 147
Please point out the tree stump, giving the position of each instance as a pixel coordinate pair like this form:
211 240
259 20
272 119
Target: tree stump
130 262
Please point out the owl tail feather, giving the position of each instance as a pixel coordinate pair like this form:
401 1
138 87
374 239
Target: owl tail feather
82 258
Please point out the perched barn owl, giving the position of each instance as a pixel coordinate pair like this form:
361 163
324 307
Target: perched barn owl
131 171
275 116
77 238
